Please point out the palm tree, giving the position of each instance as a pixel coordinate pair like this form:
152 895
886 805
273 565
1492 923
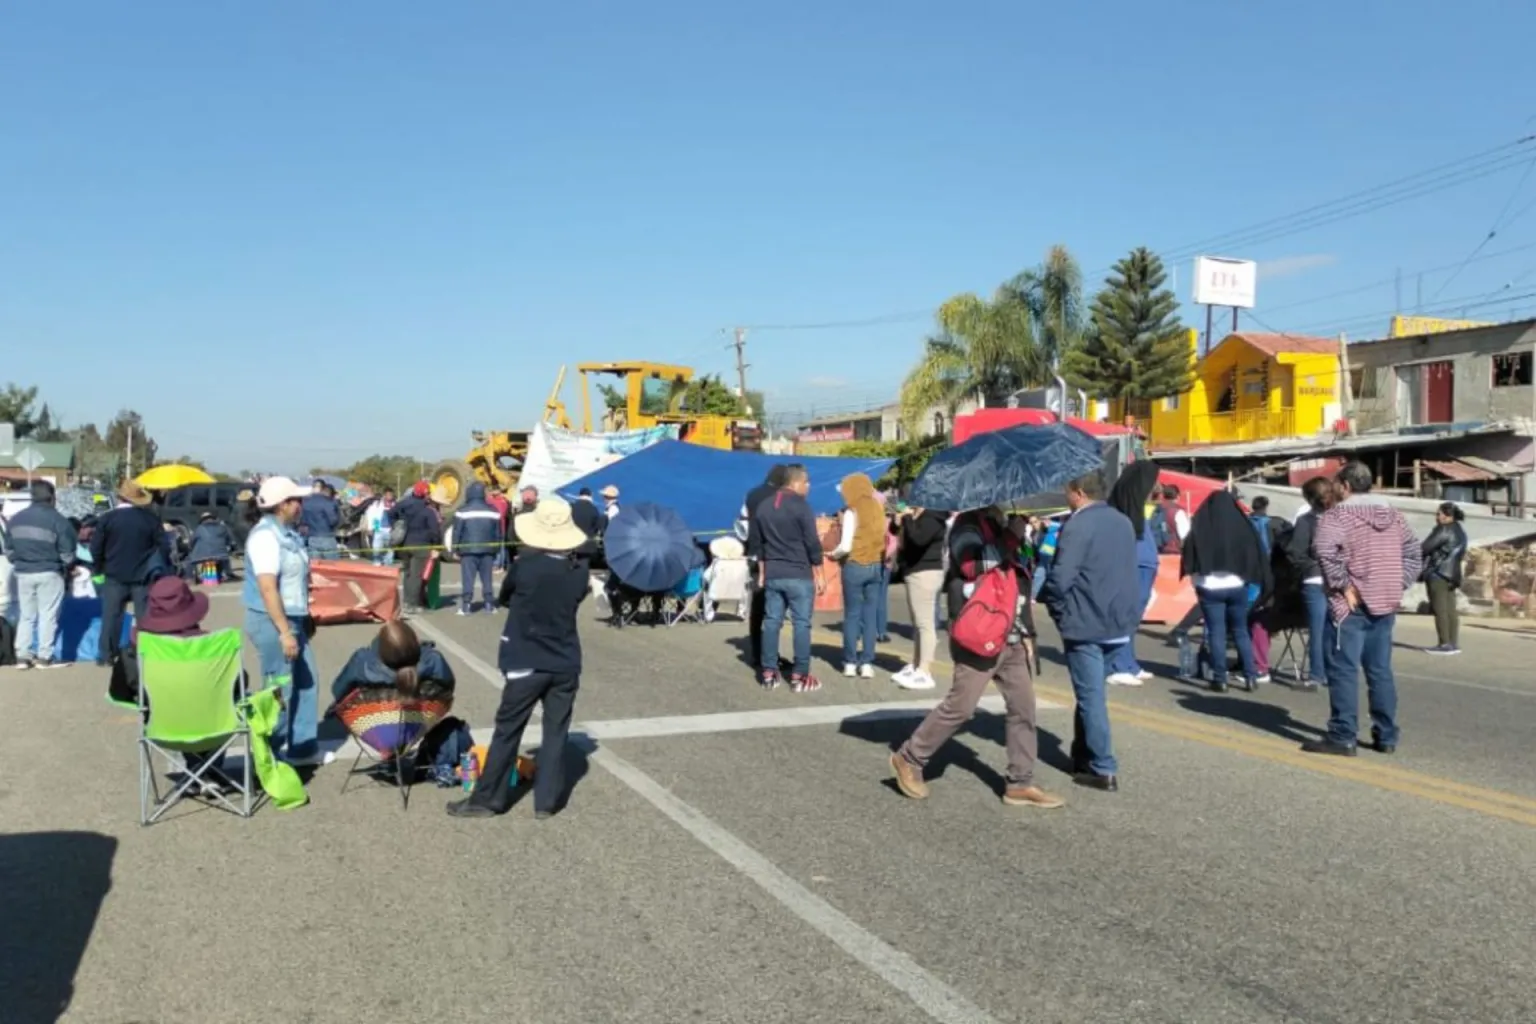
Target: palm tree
982 350
1053 294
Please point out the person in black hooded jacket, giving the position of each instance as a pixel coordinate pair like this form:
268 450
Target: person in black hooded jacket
1444 550
1231 575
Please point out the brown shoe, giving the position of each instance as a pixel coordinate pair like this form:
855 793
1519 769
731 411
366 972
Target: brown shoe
909 777
1031 796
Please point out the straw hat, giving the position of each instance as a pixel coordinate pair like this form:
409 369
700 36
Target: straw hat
133 494
549 527
727 547
610 491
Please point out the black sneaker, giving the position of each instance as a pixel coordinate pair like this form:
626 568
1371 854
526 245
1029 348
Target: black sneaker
1327 746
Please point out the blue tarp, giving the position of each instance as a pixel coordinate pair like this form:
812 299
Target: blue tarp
706 485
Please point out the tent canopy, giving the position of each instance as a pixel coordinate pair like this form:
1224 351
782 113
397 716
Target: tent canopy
706 485
170 476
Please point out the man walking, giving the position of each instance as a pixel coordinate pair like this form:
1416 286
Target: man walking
1368 556
782 540
1092 593
128 547
981 542
755 497
41 547
477 536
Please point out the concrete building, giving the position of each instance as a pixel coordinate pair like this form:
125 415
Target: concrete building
824 435
1474 376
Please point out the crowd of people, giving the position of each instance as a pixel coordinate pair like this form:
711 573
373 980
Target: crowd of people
1335 573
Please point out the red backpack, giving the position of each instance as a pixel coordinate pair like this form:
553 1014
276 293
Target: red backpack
983 625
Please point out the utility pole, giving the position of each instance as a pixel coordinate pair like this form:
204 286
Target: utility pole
741 362
1347 384
128 465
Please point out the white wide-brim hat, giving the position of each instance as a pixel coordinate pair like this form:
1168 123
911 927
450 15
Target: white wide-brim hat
549 527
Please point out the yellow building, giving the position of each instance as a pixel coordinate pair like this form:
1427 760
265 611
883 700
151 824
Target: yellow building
1253 387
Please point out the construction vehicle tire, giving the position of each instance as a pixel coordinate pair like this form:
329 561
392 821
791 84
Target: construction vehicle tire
454 476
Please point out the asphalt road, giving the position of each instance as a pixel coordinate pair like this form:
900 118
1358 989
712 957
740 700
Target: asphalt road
730 854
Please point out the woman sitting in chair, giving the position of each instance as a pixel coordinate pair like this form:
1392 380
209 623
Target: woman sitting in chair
396 658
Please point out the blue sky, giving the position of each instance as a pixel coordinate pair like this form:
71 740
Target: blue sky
296 233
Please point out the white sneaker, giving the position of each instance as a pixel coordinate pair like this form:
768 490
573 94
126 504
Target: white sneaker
916 681
903 673
319 760
866 671
850 670
1144 675
1263 678
1123 679
463 610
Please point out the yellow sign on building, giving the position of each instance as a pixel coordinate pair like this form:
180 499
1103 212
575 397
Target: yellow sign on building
1413 326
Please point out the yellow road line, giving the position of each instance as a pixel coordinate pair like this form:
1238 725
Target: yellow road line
1492 802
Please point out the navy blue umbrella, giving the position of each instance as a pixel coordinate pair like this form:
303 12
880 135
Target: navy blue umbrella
1006 467
650 548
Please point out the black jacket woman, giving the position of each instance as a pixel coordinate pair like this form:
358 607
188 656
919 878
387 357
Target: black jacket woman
1444 550
1231 575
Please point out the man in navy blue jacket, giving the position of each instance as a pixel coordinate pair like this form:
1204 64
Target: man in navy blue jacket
477 536
1093 595
41 546
782 540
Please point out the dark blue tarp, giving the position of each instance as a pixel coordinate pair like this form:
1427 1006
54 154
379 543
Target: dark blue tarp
706 485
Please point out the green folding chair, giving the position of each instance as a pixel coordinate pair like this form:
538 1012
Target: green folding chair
193 689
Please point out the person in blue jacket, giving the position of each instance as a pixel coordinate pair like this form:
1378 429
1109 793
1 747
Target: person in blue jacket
1130 495
319 520
396 658
212 541
477 536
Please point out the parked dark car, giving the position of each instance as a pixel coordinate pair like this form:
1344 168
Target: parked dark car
183 507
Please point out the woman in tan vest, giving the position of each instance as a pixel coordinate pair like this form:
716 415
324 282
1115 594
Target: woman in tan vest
862 552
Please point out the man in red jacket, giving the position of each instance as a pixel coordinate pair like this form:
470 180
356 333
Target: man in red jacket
1368 556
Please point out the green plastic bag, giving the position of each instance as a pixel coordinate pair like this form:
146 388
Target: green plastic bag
280 780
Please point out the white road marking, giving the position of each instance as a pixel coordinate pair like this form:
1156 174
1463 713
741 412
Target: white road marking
773 718
899 970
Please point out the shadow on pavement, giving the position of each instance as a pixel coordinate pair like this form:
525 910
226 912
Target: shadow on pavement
52 885
1269 718
891 728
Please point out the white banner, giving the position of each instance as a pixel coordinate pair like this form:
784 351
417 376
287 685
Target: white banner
1225 282
557 456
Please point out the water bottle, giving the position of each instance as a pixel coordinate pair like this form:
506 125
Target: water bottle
469 771
1189 659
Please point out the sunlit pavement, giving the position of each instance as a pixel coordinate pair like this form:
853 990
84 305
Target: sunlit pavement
731 854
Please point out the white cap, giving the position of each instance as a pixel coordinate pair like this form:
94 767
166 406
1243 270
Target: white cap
277 489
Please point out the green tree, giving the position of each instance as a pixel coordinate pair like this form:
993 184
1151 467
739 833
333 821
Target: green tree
381 471
1135 346
982 350
708 395
911 456
17 408
1053 294
613 398
46 429
94 458
125 425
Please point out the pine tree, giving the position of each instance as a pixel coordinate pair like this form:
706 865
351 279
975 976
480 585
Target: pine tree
1135 346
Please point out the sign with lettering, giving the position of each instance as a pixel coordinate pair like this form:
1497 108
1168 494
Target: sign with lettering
1220 281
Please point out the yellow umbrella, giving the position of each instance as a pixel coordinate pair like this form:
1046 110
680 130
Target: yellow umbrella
163 478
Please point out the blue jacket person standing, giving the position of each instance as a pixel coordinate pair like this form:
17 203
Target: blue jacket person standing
477 536
1092 594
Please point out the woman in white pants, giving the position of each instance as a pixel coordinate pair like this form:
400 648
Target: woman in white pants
920 560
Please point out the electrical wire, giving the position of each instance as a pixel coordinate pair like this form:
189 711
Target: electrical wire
1497 226
1393 279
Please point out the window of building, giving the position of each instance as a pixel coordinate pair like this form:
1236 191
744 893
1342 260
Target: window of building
1512 369
1171 403
1362 383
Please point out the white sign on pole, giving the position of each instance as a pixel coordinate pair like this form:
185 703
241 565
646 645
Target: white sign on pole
1220 281
29 458
7 438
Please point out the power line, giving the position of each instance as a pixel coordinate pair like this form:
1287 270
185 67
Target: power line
1498 223
1465 302
1393 279
1355 204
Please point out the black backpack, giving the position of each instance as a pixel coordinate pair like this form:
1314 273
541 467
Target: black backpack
7 642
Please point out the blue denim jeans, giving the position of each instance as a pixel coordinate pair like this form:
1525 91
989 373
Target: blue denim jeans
861 596
1361 641
381 553
1226 611
323 548
1125 658
476 567
883 603
796 597
1317 628
299 723
1091 744
1042 569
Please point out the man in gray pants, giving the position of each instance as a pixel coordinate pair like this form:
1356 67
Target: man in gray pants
41 547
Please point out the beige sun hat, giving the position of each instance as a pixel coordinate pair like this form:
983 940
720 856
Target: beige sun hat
727 547
549 527
609 492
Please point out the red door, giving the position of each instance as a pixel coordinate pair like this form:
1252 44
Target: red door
1439 393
